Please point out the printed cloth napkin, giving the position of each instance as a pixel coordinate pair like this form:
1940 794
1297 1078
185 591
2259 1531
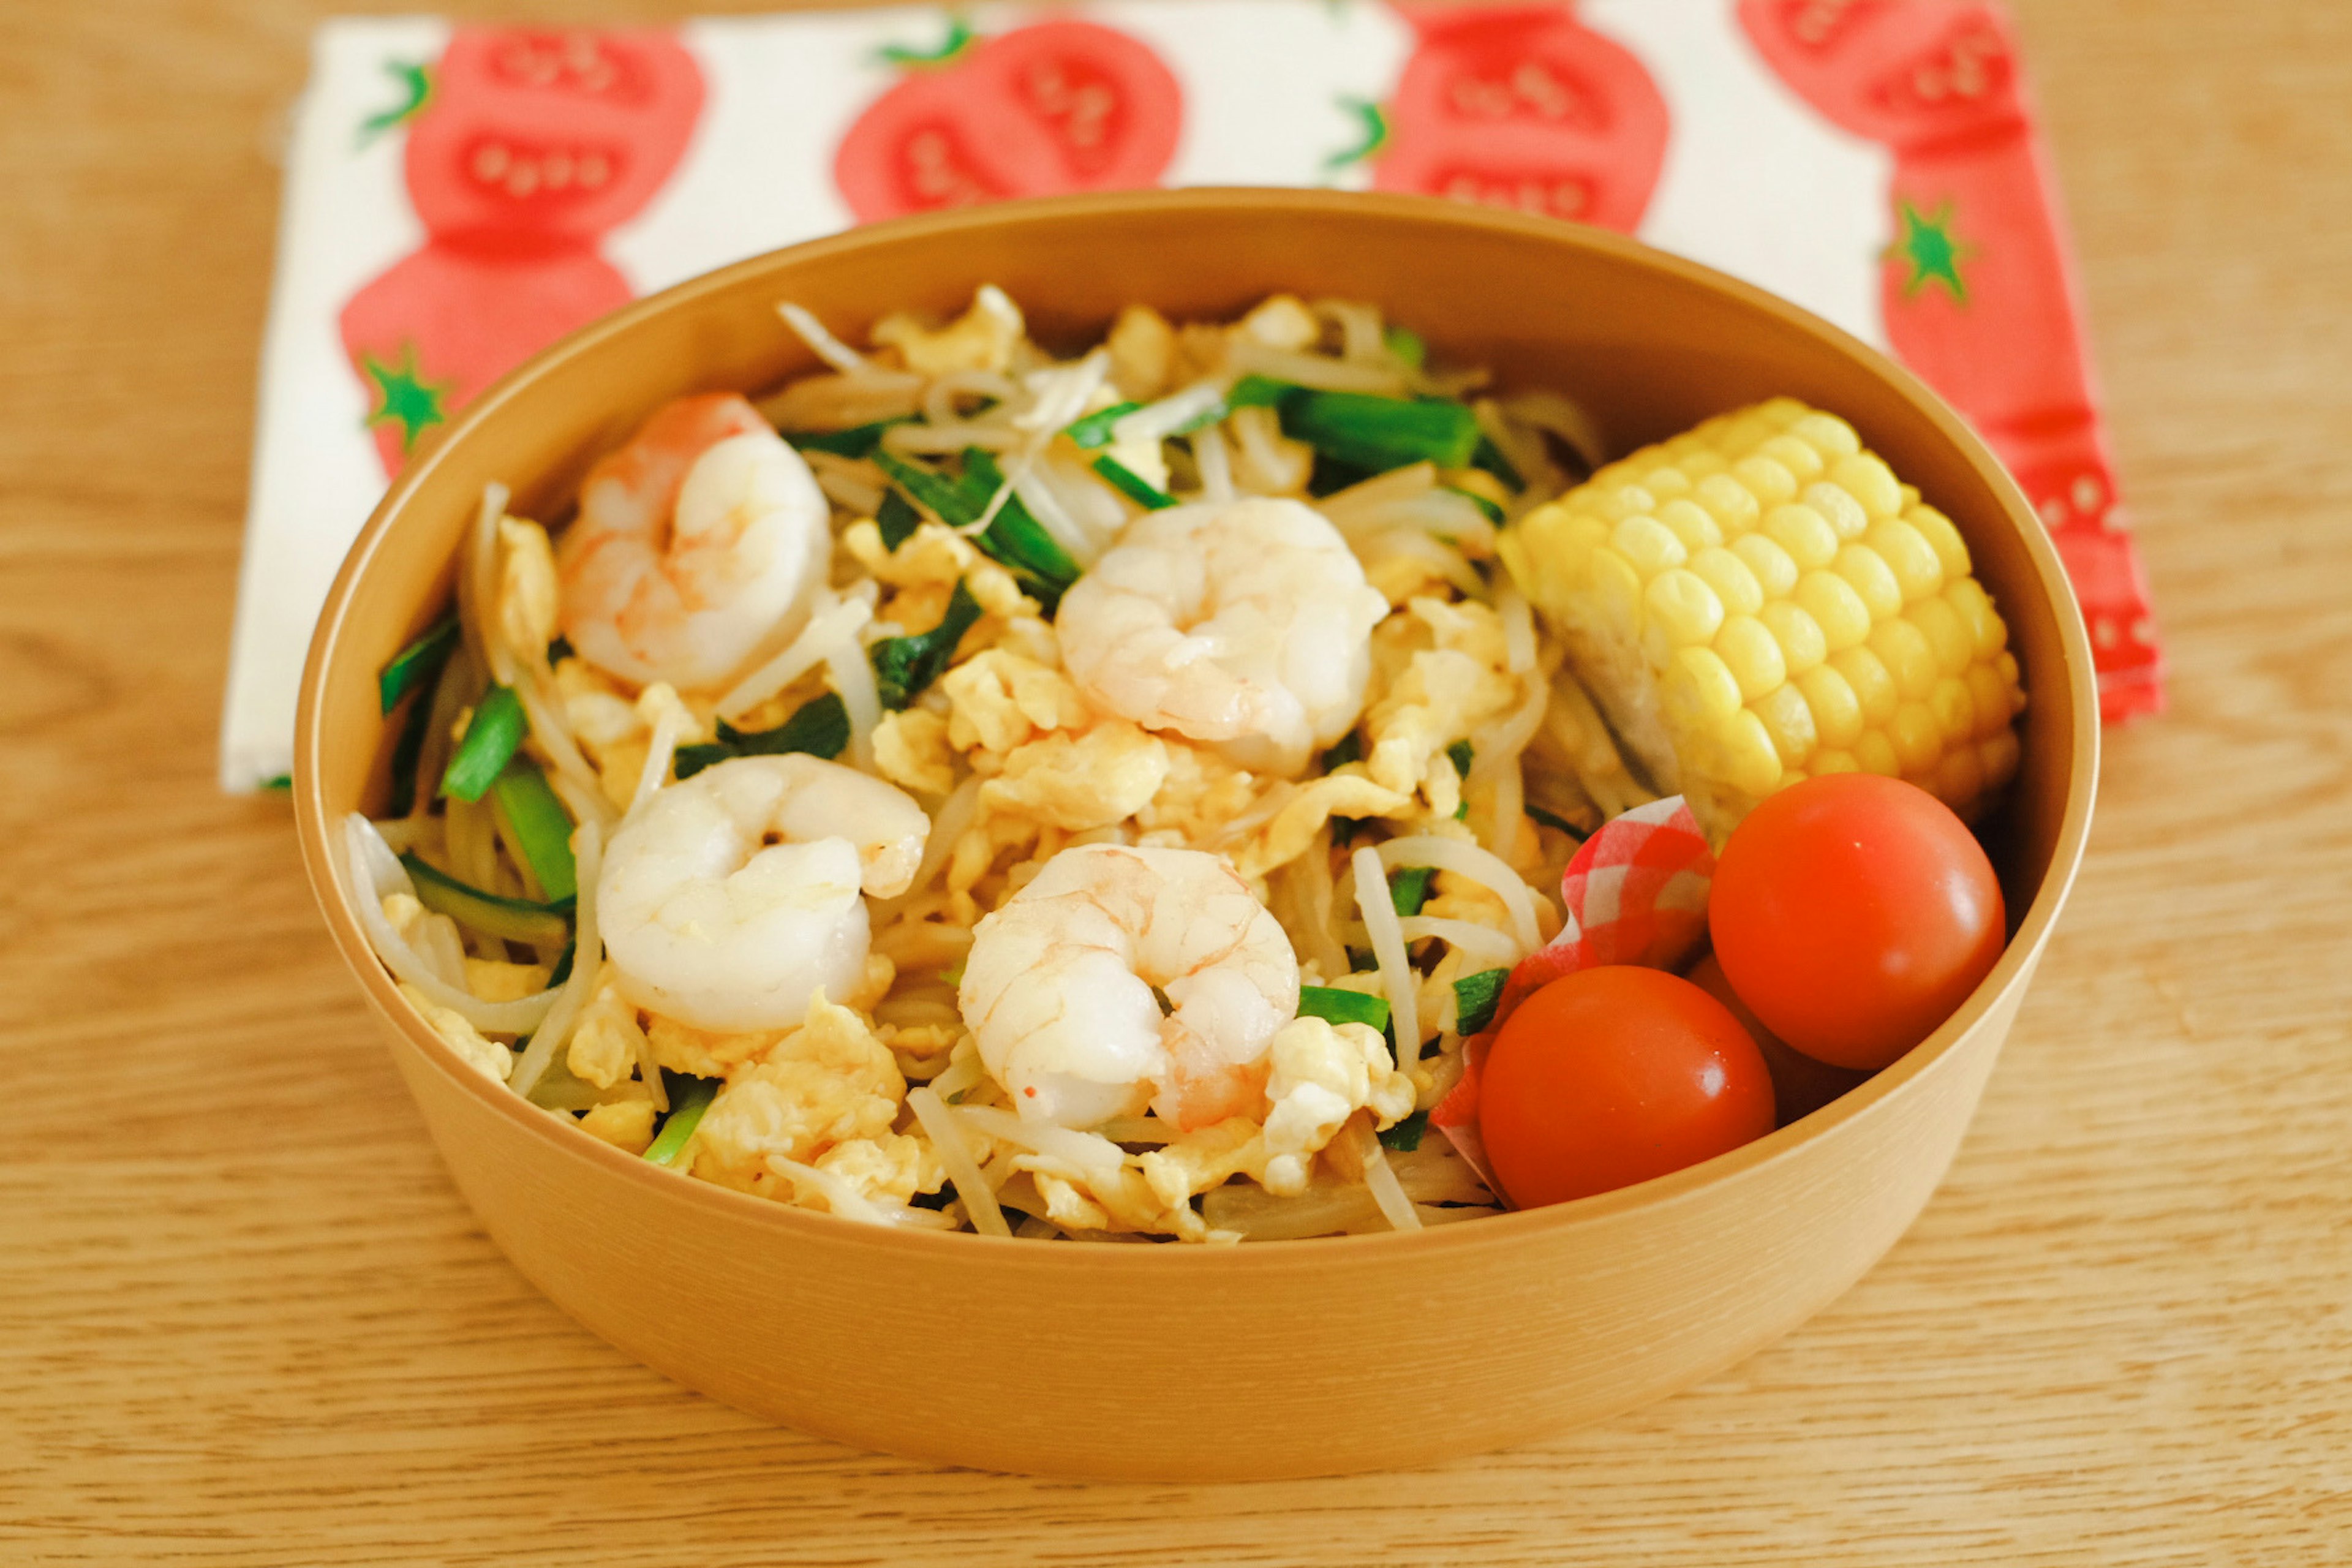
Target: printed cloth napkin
457 198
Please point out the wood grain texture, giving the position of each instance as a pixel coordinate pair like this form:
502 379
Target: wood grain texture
245 1320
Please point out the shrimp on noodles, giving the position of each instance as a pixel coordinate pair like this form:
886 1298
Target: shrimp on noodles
732 897
1245 624
1062 988
699 546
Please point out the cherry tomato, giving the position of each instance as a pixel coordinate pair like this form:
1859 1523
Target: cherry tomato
1801 1084
1612 1075
1853 913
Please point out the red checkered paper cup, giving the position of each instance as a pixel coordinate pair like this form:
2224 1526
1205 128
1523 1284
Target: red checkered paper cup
1636 892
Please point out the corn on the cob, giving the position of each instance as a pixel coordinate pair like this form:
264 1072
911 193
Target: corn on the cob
1760 599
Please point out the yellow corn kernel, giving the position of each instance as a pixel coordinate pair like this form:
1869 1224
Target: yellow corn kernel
2007 665
1804 533
1766 480
1665 482
1776 574
1727 501
1959 778
1908 655
1790 723
1974 605
1794 454
1617 587
1585 534
1802 647
1917 741
1697 464
1989 696
1648 545
1845 513
1690 524
1999 756
1955 711
1830 436
1617 504
1938 531
1867 572
1684 606
1918 570
1834 761
1870 481
1751 764
1700 689
1950 635
1837 711
1844 620
1729 575
1873 684
1753 654
1876 754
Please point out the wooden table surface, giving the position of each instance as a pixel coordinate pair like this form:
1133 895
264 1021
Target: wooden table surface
245 1318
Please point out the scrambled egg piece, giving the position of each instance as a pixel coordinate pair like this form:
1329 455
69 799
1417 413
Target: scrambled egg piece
485 1057
999 700
1078 782
494 980
527 596
886 1170
626 1124
1434 695
1281 322
606 1044
925 569
911 750
829 1082
982 338
1143 352
1306 808
1323 1074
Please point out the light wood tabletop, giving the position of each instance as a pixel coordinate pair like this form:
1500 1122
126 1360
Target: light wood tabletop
245 1318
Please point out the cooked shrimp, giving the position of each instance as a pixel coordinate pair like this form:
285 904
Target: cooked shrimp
699 545
1059 988
730 897
1244 624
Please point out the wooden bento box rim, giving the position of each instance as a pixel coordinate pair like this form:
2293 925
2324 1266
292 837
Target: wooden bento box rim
329 875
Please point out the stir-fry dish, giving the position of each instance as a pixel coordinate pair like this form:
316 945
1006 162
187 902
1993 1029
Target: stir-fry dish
1124 795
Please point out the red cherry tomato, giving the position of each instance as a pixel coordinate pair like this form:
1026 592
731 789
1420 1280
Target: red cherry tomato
1853 913
1612 1075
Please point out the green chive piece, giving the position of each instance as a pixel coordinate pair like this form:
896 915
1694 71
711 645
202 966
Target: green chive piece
1361 961
1409 889
1553 819
417 663
820 728
1489 457
280 784
688 1098
858 441
1406 1135
515 920
1494 513
1475 996
1349 749
1461 755
1382 433
1094 430
904 667
897 519
1133 485
1263 392
491 737
540 823
1405 346
1337 1006
1013 537
564 964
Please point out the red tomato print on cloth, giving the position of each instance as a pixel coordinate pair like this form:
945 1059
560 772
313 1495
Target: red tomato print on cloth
529 147
1977 291
1054 106
1523 106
